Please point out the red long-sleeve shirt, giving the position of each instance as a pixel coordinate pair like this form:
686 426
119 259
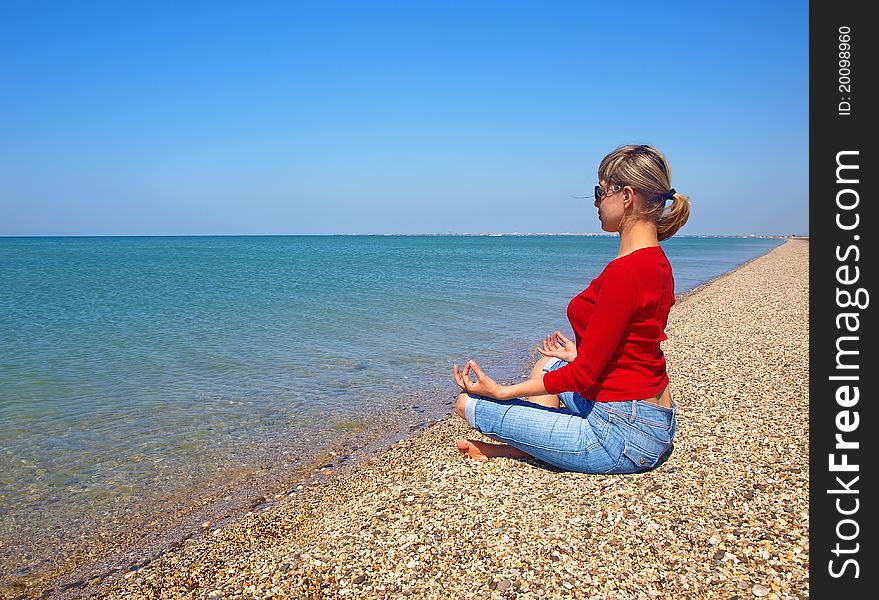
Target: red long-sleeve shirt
619 322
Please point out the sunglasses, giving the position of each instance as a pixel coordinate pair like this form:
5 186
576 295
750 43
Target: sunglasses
600 192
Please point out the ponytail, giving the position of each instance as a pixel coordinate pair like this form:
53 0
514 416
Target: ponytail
674 218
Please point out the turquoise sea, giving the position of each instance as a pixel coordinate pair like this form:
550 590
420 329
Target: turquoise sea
144 376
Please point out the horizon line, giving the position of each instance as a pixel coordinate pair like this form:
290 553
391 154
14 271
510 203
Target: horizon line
447 234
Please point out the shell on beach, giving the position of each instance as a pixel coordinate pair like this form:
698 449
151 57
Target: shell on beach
725 516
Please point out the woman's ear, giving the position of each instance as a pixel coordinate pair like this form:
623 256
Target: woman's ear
628 194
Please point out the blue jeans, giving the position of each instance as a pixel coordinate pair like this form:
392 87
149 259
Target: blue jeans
584 436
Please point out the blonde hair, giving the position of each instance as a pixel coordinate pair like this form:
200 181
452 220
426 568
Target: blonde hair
646 169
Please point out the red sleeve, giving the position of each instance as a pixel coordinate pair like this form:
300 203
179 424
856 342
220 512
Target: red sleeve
615 302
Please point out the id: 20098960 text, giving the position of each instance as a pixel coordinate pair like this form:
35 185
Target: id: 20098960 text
845 71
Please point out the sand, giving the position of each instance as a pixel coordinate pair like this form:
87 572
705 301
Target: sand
726 515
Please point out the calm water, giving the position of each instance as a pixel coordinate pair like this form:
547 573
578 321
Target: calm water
136 370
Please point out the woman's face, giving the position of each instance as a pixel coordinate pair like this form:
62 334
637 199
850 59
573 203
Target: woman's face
610 207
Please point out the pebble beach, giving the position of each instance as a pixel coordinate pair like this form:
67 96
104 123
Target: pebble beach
725 516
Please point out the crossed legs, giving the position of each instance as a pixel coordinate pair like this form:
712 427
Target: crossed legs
479 450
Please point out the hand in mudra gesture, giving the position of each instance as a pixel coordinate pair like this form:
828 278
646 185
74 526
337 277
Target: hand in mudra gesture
483 386
559 346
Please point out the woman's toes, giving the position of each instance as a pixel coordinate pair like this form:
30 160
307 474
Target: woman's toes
472 449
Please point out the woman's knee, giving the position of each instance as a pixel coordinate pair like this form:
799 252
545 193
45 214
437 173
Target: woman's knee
461 404
537 369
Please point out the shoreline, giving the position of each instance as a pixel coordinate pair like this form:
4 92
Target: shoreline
187 518
316 483
695 289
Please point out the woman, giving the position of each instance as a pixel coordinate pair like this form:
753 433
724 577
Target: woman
618 415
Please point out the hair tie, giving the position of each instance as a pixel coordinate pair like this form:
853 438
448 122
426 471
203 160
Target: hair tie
671 194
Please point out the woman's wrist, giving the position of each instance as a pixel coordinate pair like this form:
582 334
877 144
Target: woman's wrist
530 387
504 392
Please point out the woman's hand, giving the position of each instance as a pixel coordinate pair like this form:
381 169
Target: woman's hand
559 346
483 386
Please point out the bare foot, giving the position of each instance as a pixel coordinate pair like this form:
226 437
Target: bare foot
483 450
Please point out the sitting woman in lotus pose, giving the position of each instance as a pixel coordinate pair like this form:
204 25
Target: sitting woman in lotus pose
600 404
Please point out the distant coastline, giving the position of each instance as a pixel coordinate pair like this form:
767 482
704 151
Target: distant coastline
465 234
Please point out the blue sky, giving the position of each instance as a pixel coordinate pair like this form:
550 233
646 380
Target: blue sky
169 118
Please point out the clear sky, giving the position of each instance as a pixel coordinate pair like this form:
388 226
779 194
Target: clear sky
173 118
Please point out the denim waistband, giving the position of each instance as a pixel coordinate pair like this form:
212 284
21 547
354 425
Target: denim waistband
635 407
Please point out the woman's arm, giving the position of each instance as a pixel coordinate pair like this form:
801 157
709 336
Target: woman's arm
486 386
555 344
529 387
